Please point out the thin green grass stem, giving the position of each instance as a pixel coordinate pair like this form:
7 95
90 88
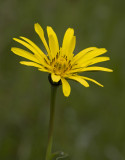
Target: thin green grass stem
51 122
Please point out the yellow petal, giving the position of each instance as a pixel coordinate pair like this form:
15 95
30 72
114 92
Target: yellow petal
91 62
55 78
90 55
67 41
38 56
71 48
39 51
99 59
79 79
82 53
65 87
72 44
92 80
40 32
96 69
26 45
25 54
76 70
44 70
30 64
53 42
34 65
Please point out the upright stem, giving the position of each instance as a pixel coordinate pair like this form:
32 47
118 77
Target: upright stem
51 122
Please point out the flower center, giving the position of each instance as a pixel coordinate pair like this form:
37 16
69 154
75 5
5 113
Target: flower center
60 65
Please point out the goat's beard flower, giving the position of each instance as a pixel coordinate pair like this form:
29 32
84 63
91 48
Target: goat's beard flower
60 62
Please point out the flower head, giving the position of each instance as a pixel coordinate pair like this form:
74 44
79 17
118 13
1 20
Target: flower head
61 62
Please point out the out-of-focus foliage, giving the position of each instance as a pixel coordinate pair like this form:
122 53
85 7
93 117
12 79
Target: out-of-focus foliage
90 124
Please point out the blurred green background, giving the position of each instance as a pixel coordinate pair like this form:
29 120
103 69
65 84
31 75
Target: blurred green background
90 124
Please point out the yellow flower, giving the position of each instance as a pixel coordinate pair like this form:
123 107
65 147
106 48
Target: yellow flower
60 62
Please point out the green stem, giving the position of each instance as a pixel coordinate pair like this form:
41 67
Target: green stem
51 122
